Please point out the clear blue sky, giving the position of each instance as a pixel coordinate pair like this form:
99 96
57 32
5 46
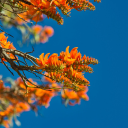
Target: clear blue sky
102 34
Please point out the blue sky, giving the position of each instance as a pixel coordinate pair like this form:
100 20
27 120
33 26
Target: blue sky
102 34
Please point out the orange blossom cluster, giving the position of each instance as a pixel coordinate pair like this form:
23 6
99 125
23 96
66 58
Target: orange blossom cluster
6 44
67 68
42 34
11 104
15 99
35 8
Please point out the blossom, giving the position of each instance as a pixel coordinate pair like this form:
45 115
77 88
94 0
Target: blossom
37 28
20 107
43 60
36 8
74 96
23 16
68 68
6 44
42 34
48 31
44 97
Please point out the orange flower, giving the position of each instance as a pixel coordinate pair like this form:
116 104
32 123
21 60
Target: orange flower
48 31
20 107
44 97
43 37
20 83
83 94
4 43
7 45
50 8
68 68
2 114
46 63
23 16
37 28
48 79
6 123
70 94
53 59
34 10
8 111
75 96
43 60
68 58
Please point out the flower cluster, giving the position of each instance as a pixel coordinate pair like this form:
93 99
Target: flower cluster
11 104
37 33
42 34
6 44
35 8
16 99
40 96
67 68
63 73
74 97
30 34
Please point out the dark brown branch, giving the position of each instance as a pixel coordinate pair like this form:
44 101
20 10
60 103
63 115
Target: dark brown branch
19 53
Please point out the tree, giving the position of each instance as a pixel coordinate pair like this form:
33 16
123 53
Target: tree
63 73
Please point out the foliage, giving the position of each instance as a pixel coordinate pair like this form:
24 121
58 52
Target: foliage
63 74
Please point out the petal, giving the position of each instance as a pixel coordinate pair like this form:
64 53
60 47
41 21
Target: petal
38 61
70 61
73 52
46 57
42 58
67 52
